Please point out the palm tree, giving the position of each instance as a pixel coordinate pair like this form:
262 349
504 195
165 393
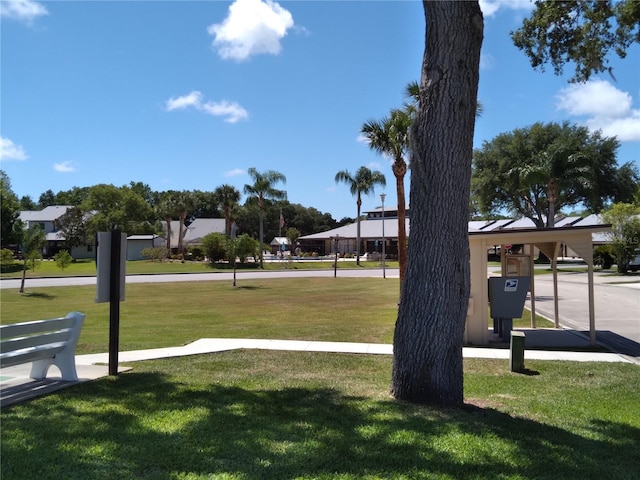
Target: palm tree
363 182
185 202
559 169
167 208
390 137
263 189
227 198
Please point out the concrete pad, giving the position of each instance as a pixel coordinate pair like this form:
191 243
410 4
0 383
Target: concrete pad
16 386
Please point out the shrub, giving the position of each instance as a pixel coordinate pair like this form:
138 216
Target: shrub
154 254
6 257
63 259
603 256
247 247
215 246
196 252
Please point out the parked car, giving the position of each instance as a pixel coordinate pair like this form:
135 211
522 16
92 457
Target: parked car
634 263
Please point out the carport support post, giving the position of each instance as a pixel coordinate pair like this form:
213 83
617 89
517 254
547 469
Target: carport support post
554 269
592 315
114 301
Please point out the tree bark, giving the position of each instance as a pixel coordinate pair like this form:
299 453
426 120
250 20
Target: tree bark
427 362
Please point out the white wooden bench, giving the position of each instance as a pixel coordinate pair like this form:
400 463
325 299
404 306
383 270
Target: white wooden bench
44 343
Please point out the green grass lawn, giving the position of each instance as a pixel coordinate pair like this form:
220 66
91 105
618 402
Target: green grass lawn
295 415
171 314
253 414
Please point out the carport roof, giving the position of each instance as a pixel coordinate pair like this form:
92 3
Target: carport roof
372 228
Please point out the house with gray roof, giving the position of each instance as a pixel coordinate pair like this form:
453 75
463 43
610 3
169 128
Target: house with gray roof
46 218
195 231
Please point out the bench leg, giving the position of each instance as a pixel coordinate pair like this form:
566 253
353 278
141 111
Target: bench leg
39 368
66 364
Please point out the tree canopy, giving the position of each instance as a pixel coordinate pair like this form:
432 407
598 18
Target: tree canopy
538 170
583 32
625 232
10 210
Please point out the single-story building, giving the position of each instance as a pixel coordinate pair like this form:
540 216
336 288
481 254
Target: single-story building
279 244
195 231
137 243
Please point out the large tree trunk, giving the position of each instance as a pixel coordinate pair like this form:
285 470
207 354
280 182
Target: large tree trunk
427 361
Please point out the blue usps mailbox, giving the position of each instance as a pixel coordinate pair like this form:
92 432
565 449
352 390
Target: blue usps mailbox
506 301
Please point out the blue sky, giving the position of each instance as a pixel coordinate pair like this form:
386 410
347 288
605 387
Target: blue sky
188 95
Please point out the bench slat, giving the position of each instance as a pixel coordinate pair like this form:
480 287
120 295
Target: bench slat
19 343
29 354
37 326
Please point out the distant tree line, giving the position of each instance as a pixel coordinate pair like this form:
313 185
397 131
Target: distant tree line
137 209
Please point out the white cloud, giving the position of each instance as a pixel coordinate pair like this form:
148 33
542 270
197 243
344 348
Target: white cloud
607 108
25 10
11 151
64 167
232 111
234 173
194 99
373 166
253 27
490 7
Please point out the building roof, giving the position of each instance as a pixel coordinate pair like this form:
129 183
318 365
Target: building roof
372 227
279 241
201 227
47 214
369 228
151 236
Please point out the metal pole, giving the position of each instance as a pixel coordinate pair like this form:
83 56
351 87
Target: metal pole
114 302
335 261
384 241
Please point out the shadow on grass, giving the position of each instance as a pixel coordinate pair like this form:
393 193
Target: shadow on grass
45 296
141 425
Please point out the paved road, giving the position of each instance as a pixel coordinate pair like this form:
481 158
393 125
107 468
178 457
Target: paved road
200 277
617 304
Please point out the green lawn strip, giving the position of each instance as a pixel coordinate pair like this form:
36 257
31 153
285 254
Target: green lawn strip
262 414
172 314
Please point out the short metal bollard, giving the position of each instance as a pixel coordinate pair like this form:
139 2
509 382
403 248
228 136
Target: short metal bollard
516 351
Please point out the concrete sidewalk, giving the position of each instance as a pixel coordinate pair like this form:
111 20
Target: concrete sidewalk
16 386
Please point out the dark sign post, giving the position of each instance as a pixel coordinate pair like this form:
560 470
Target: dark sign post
114 301
110 285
